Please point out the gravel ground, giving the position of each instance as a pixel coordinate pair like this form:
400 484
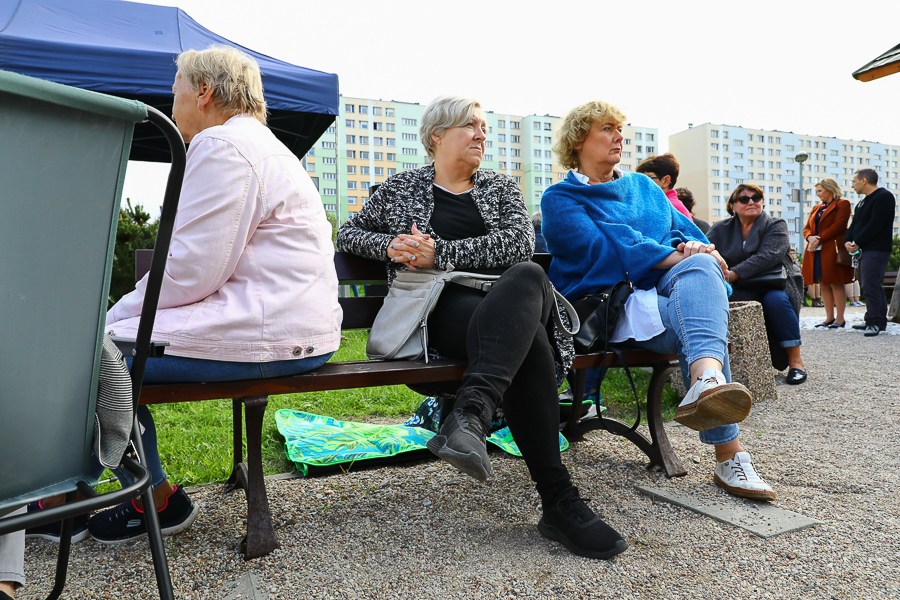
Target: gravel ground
424 530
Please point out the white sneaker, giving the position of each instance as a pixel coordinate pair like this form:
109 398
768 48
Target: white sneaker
739 477
711 402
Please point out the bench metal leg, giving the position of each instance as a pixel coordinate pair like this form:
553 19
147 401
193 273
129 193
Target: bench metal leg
260 539
657 448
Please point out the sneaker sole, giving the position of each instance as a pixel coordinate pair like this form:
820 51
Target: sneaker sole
76 537
727 404
752 494
471 463
552 533
166 531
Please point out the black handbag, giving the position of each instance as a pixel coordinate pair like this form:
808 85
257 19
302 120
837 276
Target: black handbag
772 279
599 314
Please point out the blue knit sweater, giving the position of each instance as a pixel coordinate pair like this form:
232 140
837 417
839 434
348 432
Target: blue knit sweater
597 233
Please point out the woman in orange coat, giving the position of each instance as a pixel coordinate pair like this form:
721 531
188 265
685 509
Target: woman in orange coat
824 234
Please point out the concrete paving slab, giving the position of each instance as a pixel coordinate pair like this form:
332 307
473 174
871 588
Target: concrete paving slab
245 588
759 518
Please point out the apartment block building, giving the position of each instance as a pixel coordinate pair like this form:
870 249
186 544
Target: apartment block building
715 159
374 139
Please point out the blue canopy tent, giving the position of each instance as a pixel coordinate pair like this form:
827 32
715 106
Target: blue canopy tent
127 49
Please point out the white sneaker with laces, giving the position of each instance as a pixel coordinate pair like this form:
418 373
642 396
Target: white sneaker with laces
739 477
712 402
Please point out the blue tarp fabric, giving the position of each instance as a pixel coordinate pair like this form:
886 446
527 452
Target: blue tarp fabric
127 49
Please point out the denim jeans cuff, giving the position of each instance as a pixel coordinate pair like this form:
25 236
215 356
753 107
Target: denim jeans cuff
790 343
720 435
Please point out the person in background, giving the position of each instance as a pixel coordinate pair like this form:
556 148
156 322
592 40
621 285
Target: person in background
453 214
663 170
539 244
815 296
871 232
824 234
12 562
687 198
601 224
796 267
851 290
752 243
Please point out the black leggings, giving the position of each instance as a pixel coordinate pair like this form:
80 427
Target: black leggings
505 337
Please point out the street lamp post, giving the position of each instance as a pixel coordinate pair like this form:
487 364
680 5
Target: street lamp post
800 158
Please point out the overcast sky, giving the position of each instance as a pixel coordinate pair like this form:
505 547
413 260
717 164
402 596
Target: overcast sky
782 65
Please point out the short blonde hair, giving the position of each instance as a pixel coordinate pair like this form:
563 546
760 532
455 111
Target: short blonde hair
441 114
832 186
233 76
576 126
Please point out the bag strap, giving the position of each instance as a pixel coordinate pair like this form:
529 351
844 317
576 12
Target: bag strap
615 350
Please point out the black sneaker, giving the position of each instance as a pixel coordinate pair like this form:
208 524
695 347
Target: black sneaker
573 524
461 442
51 531
126 522
872 331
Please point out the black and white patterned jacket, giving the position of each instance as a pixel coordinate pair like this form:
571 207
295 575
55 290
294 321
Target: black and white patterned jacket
407 198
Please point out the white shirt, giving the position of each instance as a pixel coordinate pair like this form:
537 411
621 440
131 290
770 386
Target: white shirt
641 320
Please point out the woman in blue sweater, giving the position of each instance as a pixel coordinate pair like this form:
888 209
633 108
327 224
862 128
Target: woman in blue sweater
602 225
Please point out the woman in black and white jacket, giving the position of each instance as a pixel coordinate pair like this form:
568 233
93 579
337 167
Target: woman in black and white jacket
451 215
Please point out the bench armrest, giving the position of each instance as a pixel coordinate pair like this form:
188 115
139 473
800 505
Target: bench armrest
127 347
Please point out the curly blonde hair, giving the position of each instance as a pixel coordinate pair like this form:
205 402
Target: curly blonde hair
577 124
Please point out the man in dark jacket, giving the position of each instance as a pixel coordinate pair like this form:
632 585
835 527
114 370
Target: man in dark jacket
870 231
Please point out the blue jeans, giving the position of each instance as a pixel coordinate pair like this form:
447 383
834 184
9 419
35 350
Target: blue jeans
693 305
178 369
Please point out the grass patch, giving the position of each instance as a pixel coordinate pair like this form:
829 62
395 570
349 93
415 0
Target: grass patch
619 399
195 438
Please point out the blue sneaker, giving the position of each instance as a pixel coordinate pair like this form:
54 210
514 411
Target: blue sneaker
126 522
51 531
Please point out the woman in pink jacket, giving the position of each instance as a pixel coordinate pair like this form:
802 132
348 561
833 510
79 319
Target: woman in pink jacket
250 289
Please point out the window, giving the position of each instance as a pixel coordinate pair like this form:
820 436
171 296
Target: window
789 148
737 142
515 139
410 136
351 139
329 175
378 141
772 140
717 185
640 148
488 157
364 139
548 181
517 179
391 156
717 212
350 123
626 154
833 152
501 137
328 160
363 124
351 153
537 153
548 140
502 165
329 145
650 137
515 124
330 207
351 185
623 167
651 149
390 142
714 160
379 156
351 200
364 170
759 138
517 166
391 171
724 134
376 126
409 151
329 192
389 112
537 180
714 146
350 169
715 172
537 139
364 185
502 151
363 109
410 165
546 126
312 152
738 155
501 124
738 168
538 167
713 133
364 154
515 152
536 125
389 127
638 136
725 147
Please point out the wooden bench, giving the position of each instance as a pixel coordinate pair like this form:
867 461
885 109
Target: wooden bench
359 313
890 281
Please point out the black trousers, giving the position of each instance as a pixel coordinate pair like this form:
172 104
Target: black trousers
872 265
504 335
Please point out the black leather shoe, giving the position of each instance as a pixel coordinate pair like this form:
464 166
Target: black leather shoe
836 325
860 327
796 376
825 323
573 524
